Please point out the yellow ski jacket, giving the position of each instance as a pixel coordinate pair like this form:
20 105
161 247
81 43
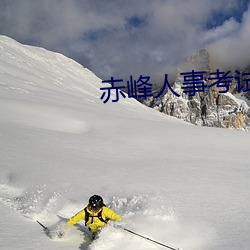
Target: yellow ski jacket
94 223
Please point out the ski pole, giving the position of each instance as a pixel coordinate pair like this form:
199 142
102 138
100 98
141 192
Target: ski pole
45 228
146 238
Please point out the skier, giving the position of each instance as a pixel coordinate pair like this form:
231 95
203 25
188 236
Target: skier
95 214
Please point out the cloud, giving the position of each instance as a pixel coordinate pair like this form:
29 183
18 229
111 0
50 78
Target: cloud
121 38
228 28
233 49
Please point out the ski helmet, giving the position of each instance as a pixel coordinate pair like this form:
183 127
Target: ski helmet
95 202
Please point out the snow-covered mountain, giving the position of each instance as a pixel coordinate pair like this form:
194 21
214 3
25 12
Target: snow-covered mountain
179 184
209 107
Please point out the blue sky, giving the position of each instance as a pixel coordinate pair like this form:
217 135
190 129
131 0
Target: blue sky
218 17
134 37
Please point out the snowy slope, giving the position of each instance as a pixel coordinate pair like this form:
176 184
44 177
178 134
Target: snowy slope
176 183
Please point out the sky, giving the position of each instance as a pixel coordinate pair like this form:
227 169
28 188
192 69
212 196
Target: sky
117 38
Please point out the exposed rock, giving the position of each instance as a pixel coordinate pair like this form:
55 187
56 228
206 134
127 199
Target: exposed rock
208 107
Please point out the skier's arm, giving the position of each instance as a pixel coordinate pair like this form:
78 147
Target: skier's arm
77 217
110 214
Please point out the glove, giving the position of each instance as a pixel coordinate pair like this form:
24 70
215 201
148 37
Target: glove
62 229
60 234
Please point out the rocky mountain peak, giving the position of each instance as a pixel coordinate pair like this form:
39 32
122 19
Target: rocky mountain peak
210 107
